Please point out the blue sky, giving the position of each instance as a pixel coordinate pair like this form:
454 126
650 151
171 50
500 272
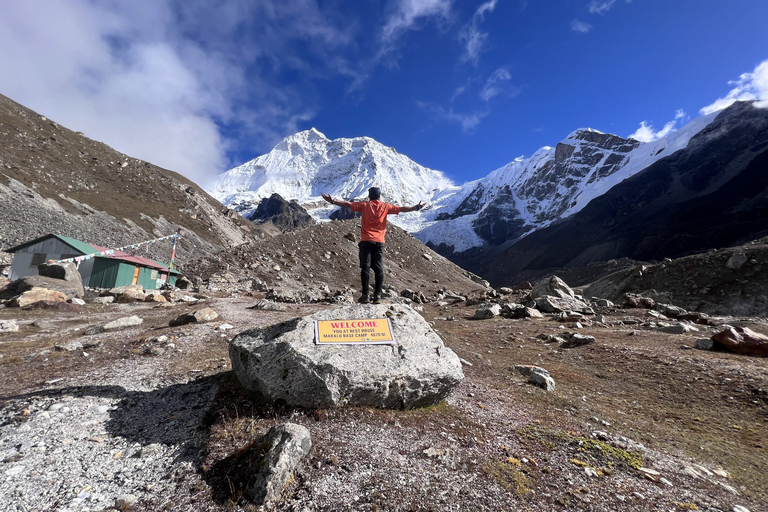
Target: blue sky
459 86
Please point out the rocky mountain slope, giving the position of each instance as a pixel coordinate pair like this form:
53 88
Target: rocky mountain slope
54 180
711 194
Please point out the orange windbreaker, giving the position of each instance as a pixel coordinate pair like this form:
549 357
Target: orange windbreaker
374 222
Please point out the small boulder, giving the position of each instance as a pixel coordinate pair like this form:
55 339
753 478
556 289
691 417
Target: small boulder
542 380
603 303
286 445
120 323
636 301
35 295
9 326
107 299
487 310
551 304
132 295
552 286
77 302
679 328
129 288
736 261
743 340
669 310
155 297
528 369
201 316
577 340
705 343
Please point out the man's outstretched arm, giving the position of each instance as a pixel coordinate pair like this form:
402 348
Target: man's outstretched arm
406 209
343 204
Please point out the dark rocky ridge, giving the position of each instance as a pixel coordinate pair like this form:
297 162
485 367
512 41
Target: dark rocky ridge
284 215
711 194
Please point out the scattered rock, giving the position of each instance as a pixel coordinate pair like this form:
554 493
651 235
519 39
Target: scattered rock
487 310
128 321
125 502
108 299
155 297
96 329
416 297
8 326
636 301
542 380
705 343
669 310
282 362
552 286
603 303
743 341
131 295
268 305
287 445
426 256
679 328
77 302
129 288
736 261
201 316
577 340
528 369
69 347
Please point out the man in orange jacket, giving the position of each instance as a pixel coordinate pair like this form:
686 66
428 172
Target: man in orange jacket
374 228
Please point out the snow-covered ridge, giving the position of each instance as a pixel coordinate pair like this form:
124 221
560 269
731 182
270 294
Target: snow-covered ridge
525 195
308 164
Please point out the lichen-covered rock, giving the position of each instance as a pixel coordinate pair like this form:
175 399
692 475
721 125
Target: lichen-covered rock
286 445
283 363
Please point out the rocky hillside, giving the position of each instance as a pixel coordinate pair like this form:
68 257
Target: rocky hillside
321 262
54 180
711 194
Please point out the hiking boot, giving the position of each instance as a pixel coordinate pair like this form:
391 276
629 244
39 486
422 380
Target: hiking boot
376 299
364 300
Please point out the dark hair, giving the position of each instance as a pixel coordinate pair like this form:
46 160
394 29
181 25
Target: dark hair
374 193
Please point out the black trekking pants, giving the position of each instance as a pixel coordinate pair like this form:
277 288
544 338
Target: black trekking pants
371 257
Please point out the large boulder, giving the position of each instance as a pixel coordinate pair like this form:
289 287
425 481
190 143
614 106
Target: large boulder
283 363
64 271
742 341
553 286
26 283
551 304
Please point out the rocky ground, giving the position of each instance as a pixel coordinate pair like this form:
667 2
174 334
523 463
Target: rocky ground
151 418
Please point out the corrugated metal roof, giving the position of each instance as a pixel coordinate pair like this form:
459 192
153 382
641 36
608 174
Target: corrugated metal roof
75 244
86 248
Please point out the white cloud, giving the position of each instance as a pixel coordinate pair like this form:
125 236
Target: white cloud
749 86
646 133
580 26
468 121
601 6
158 79
473 38
405 14
496 84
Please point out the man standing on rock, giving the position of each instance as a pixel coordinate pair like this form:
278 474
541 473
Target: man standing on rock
374 227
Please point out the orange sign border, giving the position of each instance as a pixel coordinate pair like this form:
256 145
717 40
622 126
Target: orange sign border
390 341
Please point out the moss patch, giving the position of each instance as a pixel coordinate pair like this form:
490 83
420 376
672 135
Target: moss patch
509 477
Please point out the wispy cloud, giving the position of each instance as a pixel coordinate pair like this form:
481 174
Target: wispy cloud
601 6
749 87
580 26
646 133
498 83
163 80
405 15
468 121
473 38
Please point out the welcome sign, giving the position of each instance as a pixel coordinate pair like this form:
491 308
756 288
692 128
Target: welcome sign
365 331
